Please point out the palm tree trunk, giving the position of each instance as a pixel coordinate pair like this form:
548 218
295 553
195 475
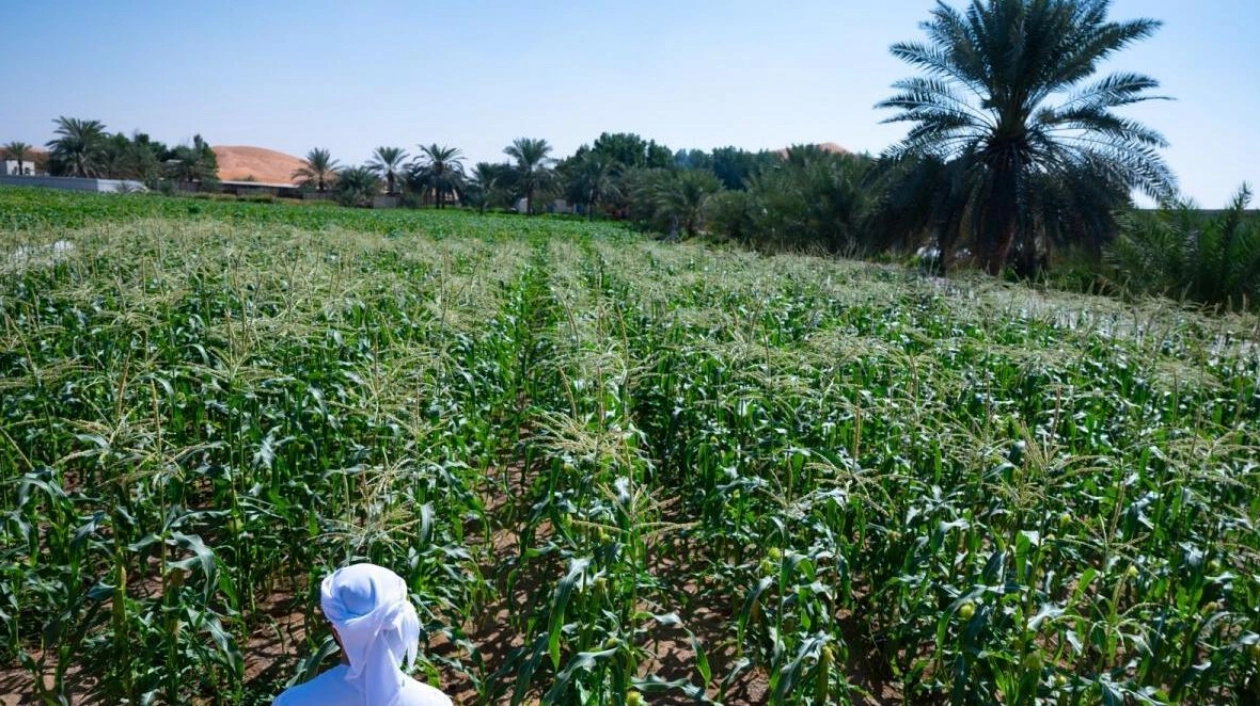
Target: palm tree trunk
529 200
1000 248
1003 220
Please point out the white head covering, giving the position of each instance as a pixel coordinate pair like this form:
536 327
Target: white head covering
378 626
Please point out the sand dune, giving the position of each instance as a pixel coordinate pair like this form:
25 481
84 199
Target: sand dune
825 146
240 162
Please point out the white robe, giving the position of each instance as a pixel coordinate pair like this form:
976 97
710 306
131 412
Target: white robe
332 688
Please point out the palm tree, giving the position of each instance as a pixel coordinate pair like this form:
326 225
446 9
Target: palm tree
357 185
387 162
533 166
79 149
681 197
487 181
17 150
439 169
1005 103
319 170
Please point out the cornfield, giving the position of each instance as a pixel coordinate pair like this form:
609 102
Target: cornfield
612 470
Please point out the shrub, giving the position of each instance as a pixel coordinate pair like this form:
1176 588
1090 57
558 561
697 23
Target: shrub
356 186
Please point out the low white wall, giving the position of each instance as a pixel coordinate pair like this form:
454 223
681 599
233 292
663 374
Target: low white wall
103 186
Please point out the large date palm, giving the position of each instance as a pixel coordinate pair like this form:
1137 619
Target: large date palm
79 149
1009 101
533 165
387 163
318 170
440 171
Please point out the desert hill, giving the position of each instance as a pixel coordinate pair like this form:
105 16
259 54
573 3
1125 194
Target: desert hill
824 146
242 162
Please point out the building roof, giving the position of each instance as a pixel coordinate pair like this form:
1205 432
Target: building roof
32 155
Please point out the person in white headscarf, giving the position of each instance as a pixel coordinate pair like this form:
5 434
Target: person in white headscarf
377 628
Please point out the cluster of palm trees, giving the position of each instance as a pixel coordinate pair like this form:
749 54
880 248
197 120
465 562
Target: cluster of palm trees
1015 149
621 174
84 148
435 176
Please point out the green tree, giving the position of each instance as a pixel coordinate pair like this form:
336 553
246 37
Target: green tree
1005 96
532 168
194 164
356 186
735 166
693 159
387 163
209 160
630 150
116 157
79 148
18 150
320 169
439 171
145 158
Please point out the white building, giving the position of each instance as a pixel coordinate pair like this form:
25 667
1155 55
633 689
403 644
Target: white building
9 168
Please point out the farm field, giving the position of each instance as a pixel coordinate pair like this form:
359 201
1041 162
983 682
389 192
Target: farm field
610 468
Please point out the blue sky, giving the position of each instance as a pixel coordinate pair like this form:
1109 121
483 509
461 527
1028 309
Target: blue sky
475 74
